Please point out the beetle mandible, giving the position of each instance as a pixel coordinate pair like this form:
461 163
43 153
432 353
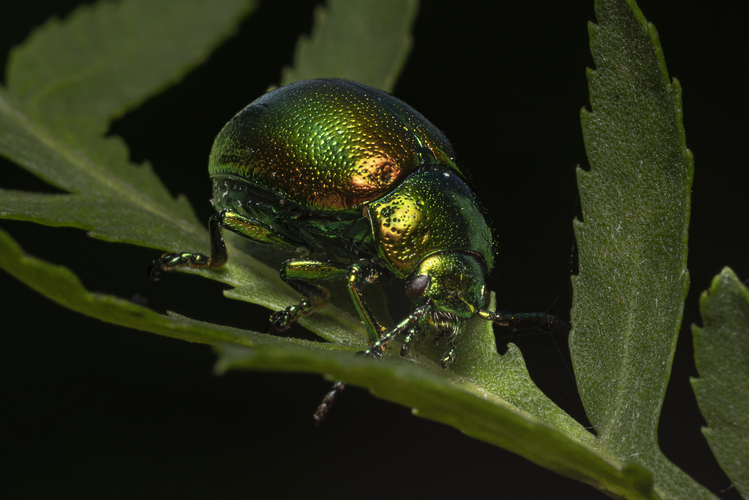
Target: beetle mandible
370 189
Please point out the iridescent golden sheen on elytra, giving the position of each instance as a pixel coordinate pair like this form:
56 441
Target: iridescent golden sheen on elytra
327 144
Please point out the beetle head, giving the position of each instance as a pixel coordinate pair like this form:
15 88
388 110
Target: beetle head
453 282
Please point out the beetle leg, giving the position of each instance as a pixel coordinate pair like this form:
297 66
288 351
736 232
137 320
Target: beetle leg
297 273
170 261
226 219
411 322
356 274
412 334
449 356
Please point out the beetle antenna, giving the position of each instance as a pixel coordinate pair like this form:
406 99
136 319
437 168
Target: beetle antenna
504 318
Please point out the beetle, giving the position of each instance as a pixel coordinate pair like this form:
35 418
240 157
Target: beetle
369 189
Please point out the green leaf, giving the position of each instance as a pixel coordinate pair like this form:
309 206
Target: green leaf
485 395
105 59
61 285
366 41
721 350
75 77
629 294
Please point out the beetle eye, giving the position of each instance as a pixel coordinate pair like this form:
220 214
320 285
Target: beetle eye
416 286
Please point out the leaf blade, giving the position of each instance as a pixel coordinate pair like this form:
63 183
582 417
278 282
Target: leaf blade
629 293
628 232
60 285
106 58
434 397
721 351
367 41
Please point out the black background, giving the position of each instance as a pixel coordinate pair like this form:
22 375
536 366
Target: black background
94 410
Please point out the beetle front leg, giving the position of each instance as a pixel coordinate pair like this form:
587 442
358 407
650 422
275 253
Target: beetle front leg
376 350
409 324
414 332
378 337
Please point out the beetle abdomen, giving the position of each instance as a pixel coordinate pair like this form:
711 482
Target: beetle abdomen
328 144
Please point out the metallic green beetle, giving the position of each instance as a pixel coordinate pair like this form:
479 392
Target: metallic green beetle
370 189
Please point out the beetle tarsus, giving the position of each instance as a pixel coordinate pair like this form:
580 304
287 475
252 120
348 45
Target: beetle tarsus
170 261
155 270
448 358
281 320
327 403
